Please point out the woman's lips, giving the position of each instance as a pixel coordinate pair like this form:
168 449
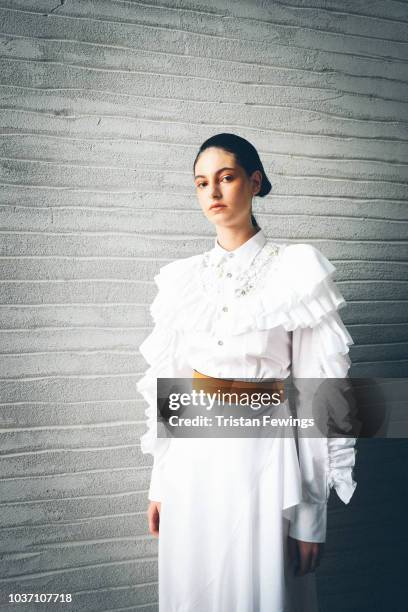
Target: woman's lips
217 206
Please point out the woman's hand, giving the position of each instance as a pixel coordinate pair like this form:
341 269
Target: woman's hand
304 556
153 515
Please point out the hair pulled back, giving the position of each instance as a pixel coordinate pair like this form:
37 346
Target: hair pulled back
245 155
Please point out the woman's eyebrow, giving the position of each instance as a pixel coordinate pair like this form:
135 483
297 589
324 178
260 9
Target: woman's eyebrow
218 171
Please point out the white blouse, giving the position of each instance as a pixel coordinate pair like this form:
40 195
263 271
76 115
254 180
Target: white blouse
265 310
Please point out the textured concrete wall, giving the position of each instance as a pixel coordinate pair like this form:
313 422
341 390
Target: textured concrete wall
103 106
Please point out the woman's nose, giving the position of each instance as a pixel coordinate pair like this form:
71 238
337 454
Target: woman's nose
215 190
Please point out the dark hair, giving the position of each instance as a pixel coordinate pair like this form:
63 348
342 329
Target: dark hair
245 154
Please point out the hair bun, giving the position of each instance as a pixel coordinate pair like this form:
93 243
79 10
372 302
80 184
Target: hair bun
266 185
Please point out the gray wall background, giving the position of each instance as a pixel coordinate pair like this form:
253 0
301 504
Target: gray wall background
103 107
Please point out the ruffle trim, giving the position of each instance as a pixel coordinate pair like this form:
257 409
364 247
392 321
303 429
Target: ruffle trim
297 291
342 458
149 442
334 341
160 351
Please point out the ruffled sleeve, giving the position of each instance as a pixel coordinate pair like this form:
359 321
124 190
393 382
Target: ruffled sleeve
320 349
162 351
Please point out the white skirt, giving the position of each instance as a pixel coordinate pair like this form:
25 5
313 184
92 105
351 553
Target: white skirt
224 521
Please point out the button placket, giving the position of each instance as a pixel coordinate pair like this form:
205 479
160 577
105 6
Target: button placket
228 293
224 295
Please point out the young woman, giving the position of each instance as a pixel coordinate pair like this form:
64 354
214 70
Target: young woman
242 521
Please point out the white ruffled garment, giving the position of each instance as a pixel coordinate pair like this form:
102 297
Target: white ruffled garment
264 310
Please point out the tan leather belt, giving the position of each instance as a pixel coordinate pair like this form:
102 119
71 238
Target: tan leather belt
210 384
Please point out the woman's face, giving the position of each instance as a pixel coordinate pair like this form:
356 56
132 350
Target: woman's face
223 188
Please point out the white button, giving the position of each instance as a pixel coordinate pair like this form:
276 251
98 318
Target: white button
220 342
231 255
225 309
229 275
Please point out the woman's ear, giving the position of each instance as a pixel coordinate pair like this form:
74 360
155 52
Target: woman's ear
256 181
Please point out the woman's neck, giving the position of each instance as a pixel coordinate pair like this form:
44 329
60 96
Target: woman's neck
232 238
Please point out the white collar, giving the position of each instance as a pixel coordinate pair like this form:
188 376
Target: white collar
242 255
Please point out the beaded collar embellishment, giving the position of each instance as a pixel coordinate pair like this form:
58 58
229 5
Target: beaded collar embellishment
212 275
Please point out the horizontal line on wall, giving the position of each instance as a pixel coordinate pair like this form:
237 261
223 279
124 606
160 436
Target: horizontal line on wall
271 200
337 33
65 523
168 7
95 517
43 574
191 211
25 502
252 105
46 546
146 4
147 304
72 258
333 10
63 377
127 71
133 607
291 155
131 192
148 283
132 234
41 328
264 213
383 361
153 167
285 4
122 587
151 282
81 426
368 325
66 449
139 374
383 324
172 122
219 60
137 258
248 83
333 178
28 404
75 328
77 352
75 280
81 328
180 237
153 605
383 344
81 304
320 113
202 34
67 376
75 472
84 352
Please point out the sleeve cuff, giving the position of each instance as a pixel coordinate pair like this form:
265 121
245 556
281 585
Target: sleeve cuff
309 523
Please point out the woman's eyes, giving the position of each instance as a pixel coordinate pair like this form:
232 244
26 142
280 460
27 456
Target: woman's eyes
227 176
